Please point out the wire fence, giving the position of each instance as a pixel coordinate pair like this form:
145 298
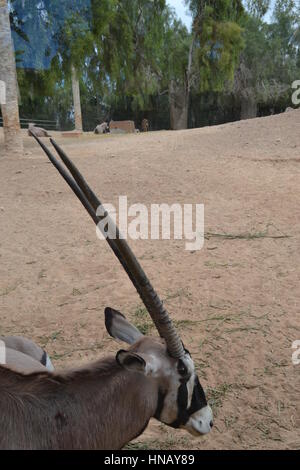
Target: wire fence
45 123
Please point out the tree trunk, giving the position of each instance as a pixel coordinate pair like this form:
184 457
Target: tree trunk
178 98
9 105
76 100
248 108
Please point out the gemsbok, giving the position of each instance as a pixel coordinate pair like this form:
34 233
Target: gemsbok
18 349
145 125
102 128
110 402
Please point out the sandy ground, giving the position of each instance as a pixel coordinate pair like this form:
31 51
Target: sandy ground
235 302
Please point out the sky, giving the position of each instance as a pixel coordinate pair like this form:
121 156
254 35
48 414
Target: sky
181 10
268 16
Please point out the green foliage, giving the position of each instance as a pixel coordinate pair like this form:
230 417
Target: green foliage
176 49
270 60
137 75
258 8
218 58
218 41
284 46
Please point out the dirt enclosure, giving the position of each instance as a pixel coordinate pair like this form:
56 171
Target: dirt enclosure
235 302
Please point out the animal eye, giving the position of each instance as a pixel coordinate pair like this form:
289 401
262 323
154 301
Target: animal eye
182 369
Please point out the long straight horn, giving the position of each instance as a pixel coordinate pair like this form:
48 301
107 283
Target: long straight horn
121 249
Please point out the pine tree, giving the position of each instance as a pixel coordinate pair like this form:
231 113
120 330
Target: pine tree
130 51
214 48
269 61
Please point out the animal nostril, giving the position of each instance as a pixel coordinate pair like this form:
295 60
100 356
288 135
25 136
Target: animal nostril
211 424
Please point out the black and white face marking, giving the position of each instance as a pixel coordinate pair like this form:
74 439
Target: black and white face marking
184 404
181 401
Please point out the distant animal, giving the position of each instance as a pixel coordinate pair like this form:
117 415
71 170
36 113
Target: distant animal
101 128
24 346
38 131
288 109
145 125
106 404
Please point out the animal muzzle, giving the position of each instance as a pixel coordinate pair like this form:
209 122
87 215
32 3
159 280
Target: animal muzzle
200 422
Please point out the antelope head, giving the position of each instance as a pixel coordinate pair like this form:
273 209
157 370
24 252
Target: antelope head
181 399
181 402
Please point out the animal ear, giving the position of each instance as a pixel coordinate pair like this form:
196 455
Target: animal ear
130 360
119 328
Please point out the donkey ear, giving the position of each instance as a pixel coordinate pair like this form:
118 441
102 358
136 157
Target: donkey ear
130 360
119 328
